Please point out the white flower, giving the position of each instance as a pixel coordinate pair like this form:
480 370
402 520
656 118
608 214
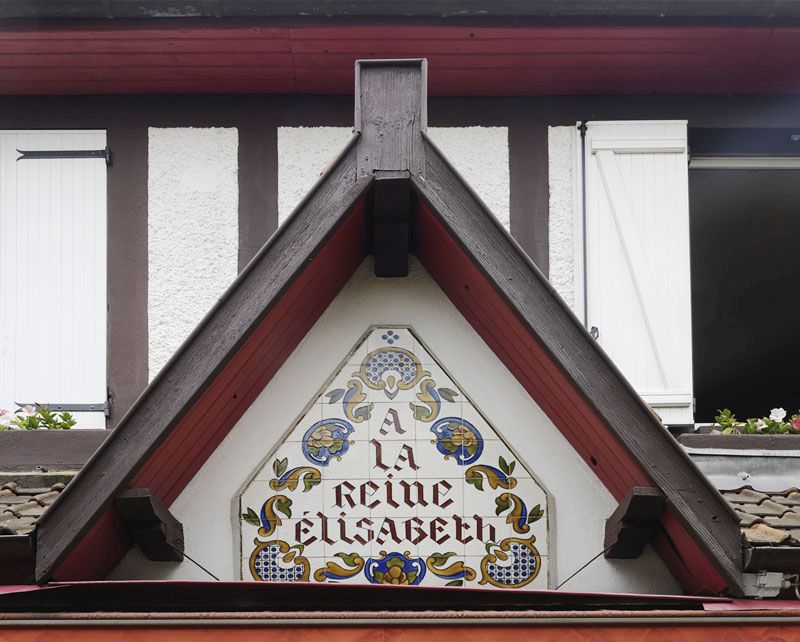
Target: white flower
777 414
5 417
29 410
760 425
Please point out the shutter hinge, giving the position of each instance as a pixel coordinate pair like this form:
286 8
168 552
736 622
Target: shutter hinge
70 407
595 332
66 153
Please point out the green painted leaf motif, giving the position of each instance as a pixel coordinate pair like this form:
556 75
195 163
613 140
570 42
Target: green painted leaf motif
280 466
472 449
300 548
285 507
447 394
455 583
379 576
476 481
334 395
411 576
336 446
511 467
309 482
348 558
251 517
490 546
440 559
536 514
502 505
395 561
420 412
449 446
363 411
503 465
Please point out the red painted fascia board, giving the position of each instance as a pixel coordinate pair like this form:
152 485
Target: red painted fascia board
487 311
216 411
503 59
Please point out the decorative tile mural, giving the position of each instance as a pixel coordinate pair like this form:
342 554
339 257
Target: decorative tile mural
392 476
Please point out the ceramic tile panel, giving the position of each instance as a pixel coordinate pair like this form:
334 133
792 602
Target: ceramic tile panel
392 476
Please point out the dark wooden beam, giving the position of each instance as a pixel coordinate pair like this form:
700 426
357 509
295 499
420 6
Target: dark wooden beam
391 210
156 531
195 367
391 111
632 525
707 519
40 451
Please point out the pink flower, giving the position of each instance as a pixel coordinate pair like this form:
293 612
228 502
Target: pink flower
29 410
796 422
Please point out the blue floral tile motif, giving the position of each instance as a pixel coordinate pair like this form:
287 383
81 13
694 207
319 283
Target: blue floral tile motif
456 437
457 508
395 568
326 439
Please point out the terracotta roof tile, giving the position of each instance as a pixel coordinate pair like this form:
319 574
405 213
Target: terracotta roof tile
21 506
745 495
763 534
789 520
767 519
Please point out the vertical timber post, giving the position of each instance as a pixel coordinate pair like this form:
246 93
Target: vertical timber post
390 115
391 111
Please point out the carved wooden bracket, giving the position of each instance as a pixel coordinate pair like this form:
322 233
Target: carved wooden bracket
633 523
157 533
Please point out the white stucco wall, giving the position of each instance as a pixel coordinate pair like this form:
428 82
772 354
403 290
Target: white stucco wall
208 506
480 154
562 180
193 230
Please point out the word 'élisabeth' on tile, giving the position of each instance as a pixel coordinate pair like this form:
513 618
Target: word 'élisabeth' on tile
392 476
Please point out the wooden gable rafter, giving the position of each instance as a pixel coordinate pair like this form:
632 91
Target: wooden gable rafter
200 394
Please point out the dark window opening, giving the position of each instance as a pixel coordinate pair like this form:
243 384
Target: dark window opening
745 232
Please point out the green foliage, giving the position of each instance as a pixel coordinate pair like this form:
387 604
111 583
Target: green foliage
775 423
37 417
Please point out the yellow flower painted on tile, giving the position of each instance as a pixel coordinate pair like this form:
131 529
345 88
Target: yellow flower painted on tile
322 437
463 436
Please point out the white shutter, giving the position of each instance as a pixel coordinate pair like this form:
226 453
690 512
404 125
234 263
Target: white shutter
637 254
53 272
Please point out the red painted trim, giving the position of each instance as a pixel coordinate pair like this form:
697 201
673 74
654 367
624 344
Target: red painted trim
408 631
217 410
496 323
500 60
525 358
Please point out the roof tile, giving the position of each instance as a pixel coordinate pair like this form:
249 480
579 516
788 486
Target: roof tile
767 519
21 506
763 534
745 495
